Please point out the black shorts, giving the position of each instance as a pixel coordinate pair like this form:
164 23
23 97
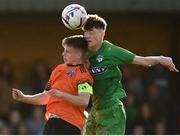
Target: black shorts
57 126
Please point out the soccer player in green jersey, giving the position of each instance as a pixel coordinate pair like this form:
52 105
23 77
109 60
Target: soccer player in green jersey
107 115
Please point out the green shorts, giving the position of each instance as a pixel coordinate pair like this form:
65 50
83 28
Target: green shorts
108 121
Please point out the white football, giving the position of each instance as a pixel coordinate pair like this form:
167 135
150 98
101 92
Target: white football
74 16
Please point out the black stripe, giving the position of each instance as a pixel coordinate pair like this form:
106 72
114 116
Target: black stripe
48 86
82 68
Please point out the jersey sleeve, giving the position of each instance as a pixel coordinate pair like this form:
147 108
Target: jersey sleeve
48 84
121 55
84 76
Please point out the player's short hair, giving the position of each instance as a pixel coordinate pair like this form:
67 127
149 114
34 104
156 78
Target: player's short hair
94 21
76 41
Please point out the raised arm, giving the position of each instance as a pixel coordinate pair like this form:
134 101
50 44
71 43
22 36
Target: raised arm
37 99
154 60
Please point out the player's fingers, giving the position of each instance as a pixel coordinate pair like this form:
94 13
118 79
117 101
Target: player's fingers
176 70
171 65
173 69
14 95
15 90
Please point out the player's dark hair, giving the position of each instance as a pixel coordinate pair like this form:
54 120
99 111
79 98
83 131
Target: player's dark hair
94 21
77 42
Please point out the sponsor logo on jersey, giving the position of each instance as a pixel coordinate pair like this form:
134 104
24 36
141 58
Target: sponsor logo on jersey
98 70
71 73
99 58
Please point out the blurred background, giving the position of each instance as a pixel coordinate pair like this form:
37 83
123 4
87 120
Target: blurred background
30 47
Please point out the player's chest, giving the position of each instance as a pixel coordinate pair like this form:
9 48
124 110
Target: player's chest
64 76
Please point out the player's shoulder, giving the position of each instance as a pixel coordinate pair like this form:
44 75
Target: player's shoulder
107 43
59 67
110 47
84 75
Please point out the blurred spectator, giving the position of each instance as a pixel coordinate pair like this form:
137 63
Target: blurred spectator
4 129
158 75
159 96
6 99
38 79
35 123
132 82
153 93
39 76
145 119
160 128
138 130
158 103
22 129
131 111
14 121
7 81
7 71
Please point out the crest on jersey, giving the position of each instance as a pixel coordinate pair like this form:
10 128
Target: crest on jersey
71 73
99 58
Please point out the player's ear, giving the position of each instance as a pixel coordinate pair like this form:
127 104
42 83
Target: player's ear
101 32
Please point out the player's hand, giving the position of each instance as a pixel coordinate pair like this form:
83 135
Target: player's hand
55 93
17 94
167 62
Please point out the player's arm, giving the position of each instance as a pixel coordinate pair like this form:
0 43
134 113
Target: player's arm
154 60
82 99
37 99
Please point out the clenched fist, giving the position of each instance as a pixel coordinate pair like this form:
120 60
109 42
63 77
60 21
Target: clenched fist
17 94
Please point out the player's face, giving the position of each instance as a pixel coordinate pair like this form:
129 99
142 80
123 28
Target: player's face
71 55
94 37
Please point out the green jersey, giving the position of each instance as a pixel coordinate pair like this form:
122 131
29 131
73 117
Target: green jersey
107 76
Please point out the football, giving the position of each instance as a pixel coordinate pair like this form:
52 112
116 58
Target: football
74 16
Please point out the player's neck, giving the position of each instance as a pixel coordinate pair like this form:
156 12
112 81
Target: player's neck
75 63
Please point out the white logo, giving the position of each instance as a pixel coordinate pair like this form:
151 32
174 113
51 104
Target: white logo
98 70
99 58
